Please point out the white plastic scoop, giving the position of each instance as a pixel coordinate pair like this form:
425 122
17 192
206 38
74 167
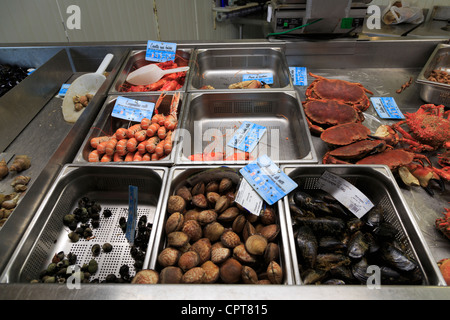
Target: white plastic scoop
87 83
150 74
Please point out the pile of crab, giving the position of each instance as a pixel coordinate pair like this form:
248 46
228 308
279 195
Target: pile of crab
401 149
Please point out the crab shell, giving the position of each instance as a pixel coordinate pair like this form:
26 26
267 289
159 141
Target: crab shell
345 134
443 225
444 267
354 151
350 93
325 113
393 158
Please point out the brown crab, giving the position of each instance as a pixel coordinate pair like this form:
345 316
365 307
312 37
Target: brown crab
321 114
350 93
353 152
345 134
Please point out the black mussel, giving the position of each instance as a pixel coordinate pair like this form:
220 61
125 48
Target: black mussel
307 246
302 199
344 273
396 258
307 202
390 275
298 212
374 217
374 245
354 224
331 244
327 261
357 246
107 213
324 225
334 282
385 231
359 271
312 276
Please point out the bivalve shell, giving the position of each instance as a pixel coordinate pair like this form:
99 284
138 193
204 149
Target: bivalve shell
256 244
274 273
230 271
240 253
199 200
222 204
185 193
189 260
176 204
228 215
225 184
174 222
212 198
203 248
146 276
270 232
213 231
212 272
268 216
248 230
249 275
230 239
212 186
193 229
239 223
169 257
194 275
171 274
177 239
207 216
272 252
219 255
199 188
191 214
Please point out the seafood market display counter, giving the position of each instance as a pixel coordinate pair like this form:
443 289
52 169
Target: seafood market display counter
71 211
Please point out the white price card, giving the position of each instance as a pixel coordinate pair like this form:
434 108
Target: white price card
346 193
263 77
132 110
249 198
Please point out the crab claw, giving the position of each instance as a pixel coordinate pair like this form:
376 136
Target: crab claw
425 175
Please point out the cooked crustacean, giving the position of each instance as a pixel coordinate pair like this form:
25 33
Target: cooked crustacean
336 247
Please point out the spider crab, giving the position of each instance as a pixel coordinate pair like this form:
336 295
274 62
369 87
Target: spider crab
321 114
350 93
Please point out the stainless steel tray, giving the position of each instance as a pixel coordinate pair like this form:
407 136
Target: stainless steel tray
211 119
189 176
432 91
378 184
108 185
136 59
105 124
221 67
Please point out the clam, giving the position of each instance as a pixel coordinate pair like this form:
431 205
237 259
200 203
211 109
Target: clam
194 275
274 273
168 257
225 184
248 230
177 239
171 274
230 239
241 254
188 260
192 214
272 252
268 216
238 223
193 229
212 198
228 215
199 200
203 248
174 222
212 186
219 255
256 244
222 204
146 276
206 216
230 271
185 193
212 272
176 204
213 231
270 232
198 188
249 275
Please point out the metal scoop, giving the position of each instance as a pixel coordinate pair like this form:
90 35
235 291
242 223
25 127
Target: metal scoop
150 74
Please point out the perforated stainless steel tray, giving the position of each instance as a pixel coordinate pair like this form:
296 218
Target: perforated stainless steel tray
136 59
105 124
378 184
222 67
108 185
211 119
188 176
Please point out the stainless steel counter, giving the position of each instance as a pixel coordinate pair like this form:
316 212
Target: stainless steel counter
381 65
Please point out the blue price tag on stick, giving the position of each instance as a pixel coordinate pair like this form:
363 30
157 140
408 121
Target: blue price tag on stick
132 110
267 179
160 51
132 213
386 108
299 76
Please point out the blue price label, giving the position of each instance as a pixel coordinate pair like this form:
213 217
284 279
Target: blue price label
267 179
160 51
62 92
386 108
299 76
132 110
263 77
247 136
132 213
